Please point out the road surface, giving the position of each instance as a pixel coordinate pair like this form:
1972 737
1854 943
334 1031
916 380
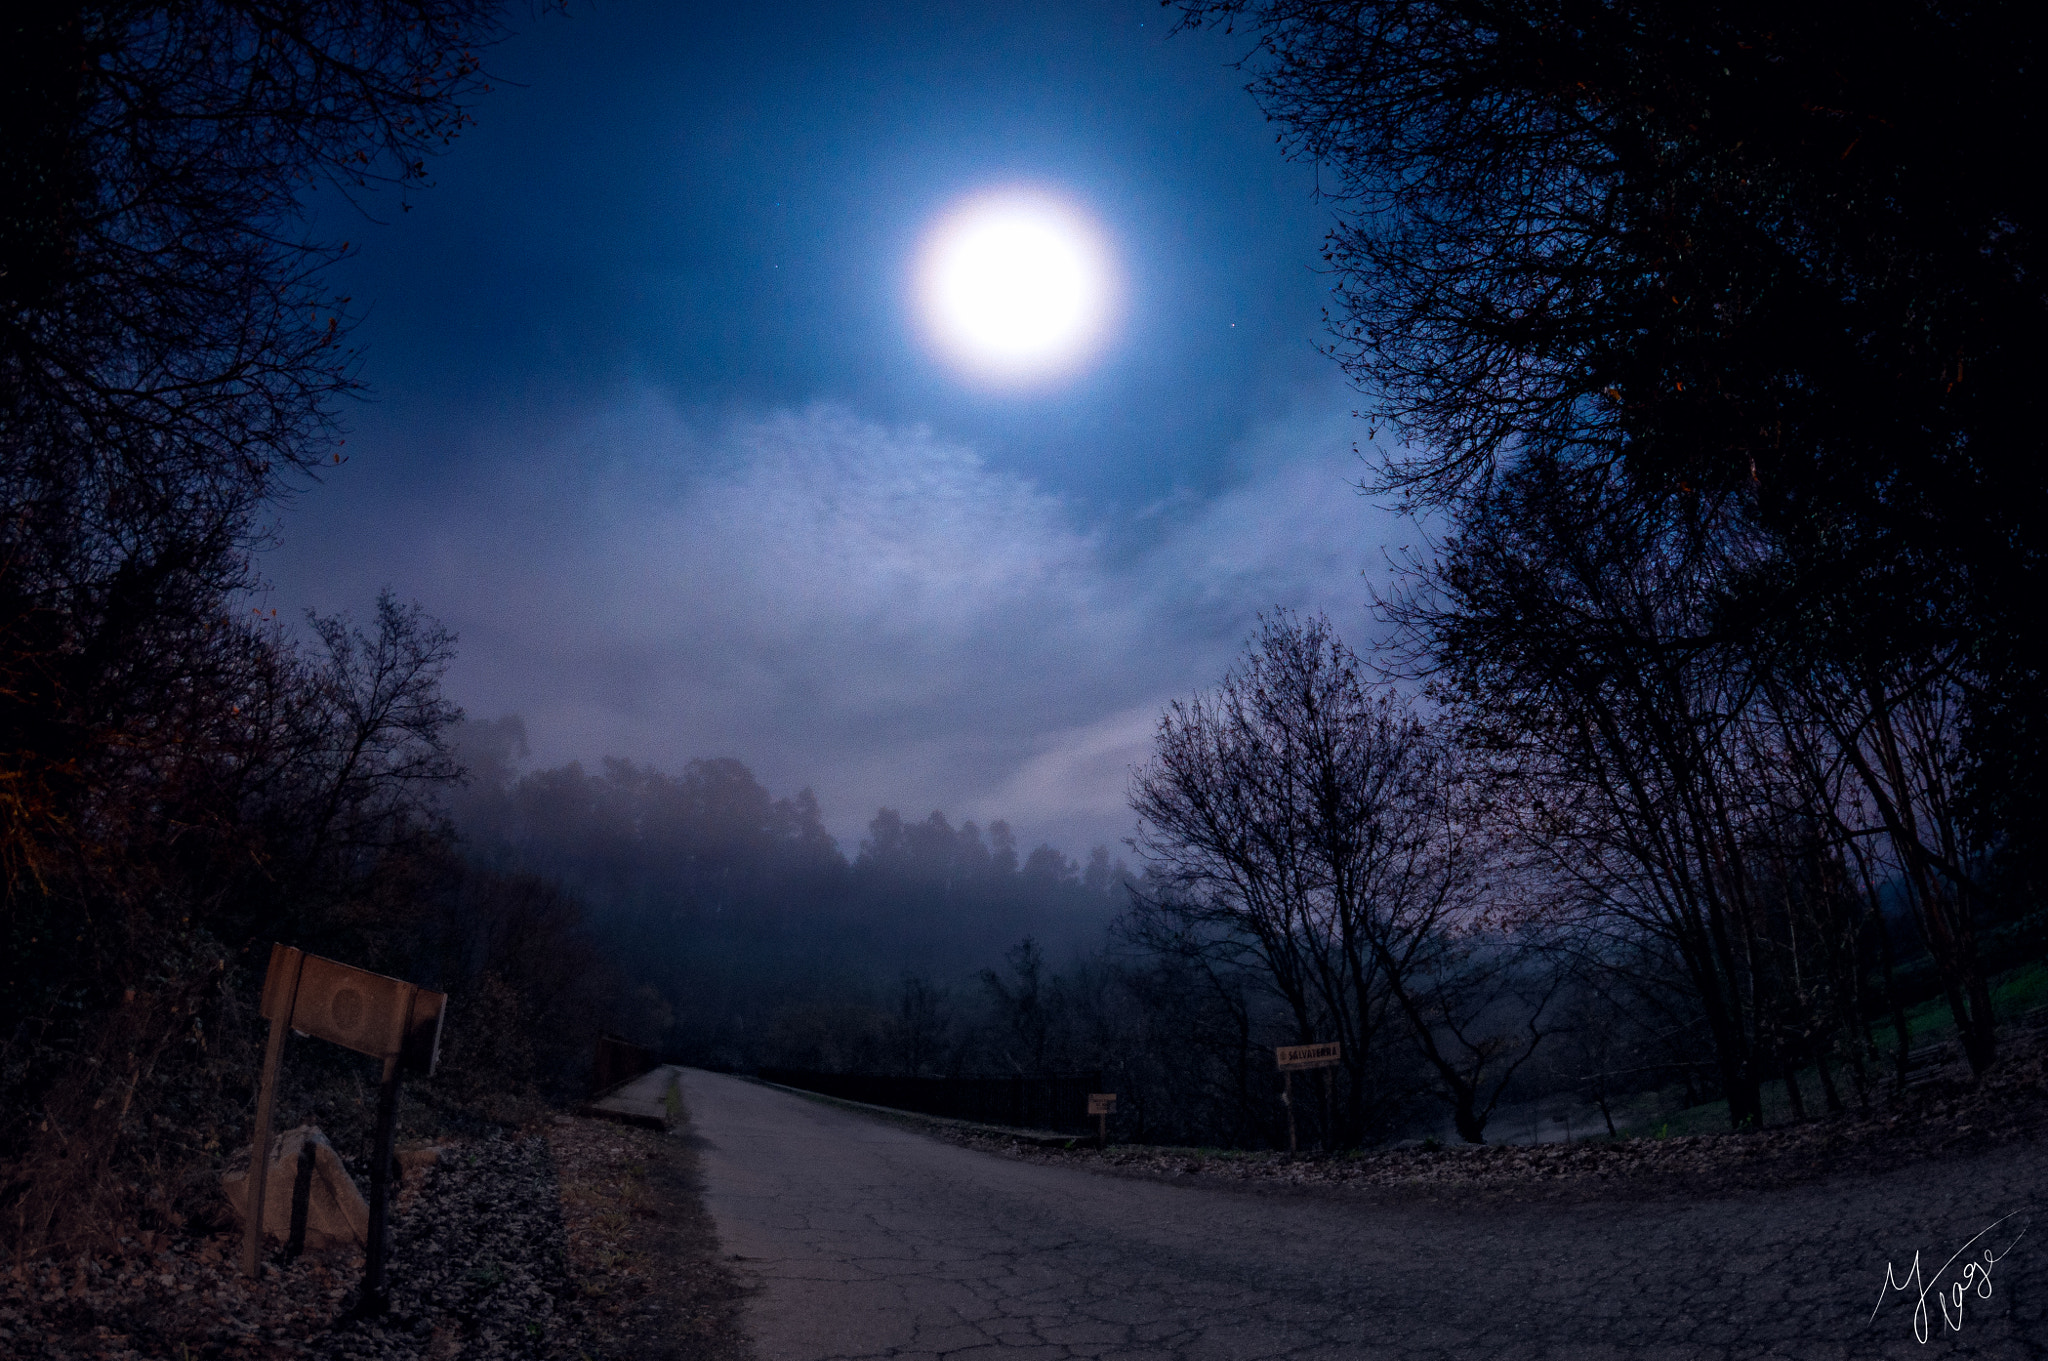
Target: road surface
865 1239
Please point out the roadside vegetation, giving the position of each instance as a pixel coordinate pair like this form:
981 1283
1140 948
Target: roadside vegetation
186 776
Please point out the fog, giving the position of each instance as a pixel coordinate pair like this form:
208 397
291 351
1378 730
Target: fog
727 911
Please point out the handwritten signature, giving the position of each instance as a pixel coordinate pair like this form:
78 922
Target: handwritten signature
1975 1279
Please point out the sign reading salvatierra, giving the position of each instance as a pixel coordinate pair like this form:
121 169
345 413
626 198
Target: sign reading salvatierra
1297 1056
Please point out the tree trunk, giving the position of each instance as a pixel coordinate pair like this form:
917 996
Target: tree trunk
1790 1064
1827 1083
1744 1090
1470 1127
1902 1055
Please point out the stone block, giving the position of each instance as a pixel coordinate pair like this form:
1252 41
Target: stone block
309 1200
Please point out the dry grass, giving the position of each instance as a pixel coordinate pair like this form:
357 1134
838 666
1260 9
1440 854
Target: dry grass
179 1293
643 1250
171 1295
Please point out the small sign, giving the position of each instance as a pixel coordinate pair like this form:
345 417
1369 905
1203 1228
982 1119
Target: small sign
1101 1103
354 1008
1297 1056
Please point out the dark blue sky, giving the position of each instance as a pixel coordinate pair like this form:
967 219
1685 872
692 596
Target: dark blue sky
654 429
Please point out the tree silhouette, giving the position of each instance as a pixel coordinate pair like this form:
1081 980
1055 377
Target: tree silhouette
1768 263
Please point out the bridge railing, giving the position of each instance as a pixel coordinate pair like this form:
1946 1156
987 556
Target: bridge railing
1047 1101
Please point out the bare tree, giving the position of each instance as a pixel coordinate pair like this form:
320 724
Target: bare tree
1024 1004
1312 824
1887 765
1723 252
374 728
170 353
1574 638
172 357
922 1028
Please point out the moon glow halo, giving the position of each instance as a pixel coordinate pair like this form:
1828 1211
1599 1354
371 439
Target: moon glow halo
1015 286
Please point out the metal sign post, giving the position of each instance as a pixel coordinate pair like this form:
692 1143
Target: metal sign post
387 1019
1293 1058
1101 1105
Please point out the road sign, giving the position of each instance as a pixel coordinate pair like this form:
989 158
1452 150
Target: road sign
386 1018
1293 1058
1102 1105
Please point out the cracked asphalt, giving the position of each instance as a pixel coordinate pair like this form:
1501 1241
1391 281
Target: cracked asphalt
862 1238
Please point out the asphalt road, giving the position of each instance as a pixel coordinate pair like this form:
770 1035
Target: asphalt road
865 1239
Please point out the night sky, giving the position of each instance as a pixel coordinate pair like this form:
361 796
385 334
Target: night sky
657 427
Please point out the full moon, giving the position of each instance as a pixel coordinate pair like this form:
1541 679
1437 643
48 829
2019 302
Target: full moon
1014 285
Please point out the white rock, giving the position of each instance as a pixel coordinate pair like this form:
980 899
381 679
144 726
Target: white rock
335 1213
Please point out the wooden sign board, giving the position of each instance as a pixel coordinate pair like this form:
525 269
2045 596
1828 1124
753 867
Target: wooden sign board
386 1018
1293 1057
1101 1103
354 1008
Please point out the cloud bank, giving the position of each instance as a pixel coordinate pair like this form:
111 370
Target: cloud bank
872 611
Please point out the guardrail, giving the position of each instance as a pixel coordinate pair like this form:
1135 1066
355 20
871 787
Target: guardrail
1047 1101
618 1061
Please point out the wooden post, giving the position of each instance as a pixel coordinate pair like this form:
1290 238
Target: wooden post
375 1298
259 1151
1100 1104
1324 1142
1306 1056
285 966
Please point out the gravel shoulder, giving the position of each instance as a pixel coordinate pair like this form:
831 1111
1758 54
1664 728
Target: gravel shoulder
478 1269
585 1240
650 1282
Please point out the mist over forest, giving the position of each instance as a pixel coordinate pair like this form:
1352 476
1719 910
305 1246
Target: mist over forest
743 933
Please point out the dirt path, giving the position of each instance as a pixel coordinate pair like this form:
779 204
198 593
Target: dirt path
866 1239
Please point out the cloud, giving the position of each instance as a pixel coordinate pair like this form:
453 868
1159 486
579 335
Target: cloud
874 611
